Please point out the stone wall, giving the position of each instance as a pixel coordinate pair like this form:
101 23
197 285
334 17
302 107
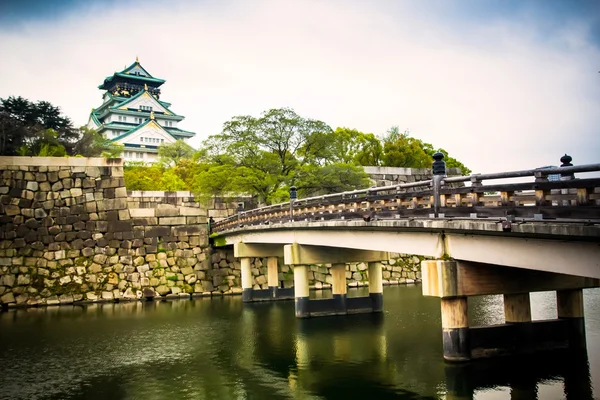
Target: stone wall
69 233
217 207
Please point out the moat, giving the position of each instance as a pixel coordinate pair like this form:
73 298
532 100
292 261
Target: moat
221 349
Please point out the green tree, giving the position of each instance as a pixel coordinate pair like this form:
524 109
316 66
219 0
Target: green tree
140 176
93 144
402 150
266 151
313 180
23 122
172 154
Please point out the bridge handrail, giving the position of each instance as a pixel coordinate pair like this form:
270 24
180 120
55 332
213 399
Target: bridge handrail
435 185
541 172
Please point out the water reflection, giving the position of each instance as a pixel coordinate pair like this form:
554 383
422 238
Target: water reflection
220 349
522 377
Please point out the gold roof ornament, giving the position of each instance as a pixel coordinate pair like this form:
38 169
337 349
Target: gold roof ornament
152 115
145 86
137 60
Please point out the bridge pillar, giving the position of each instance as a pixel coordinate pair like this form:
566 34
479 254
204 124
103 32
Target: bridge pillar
455 329
517 312
376 285
246 252
272 275
453 281
569 305
246 279
301 291
338 287
300 256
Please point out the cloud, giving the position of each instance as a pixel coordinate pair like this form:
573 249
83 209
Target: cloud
498 92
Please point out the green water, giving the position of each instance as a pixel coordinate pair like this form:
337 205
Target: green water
221 349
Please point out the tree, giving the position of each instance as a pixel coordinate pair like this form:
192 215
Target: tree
402 150
172 154
93 144
139 176
25 123
314 180
267 150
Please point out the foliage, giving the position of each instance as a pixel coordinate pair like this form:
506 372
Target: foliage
93 144
401 150
33 125
313 180
140 176
263 155
172 154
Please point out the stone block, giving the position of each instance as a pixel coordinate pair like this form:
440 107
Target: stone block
124 215
167 212
141 212
7 298
171 221
115 204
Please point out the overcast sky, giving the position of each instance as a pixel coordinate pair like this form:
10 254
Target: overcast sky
501 85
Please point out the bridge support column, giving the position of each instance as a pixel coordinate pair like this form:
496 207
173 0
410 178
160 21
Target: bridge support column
272 275
455 329
453 281
246 279
570 309
245 252
339 288
517 312
300 256
376 285
301 291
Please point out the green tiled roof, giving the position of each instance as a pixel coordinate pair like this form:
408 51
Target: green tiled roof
125 74
177 131
138 128
138 94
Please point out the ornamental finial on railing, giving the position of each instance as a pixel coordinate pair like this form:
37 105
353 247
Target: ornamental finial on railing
566 162
439 172
293 197
439 165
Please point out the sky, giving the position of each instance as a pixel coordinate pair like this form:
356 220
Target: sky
501 85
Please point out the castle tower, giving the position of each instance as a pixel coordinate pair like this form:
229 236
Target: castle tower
132 114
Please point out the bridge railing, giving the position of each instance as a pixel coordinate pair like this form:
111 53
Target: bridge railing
554 194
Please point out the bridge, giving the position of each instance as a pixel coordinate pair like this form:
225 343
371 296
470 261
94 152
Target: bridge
480 236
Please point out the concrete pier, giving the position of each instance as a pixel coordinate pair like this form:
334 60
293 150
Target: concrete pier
569 305
455 329
301 291
339 288
246 279
273 252
301 256
376 286
453 281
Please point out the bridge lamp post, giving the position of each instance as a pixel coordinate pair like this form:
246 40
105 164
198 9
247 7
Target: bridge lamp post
240 209
439 172
293 197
